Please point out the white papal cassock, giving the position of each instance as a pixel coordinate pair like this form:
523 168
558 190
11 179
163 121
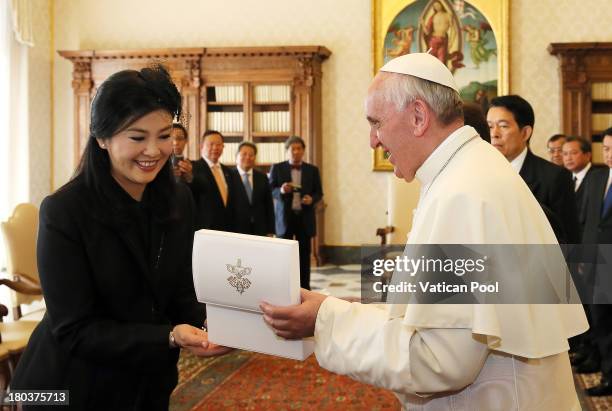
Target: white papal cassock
461 357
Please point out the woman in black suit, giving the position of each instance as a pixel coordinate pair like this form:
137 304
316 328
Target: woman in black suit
114 255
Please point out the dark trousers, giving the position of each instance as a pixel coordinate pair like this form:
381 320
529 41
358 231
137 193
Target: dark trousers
602 335
296 230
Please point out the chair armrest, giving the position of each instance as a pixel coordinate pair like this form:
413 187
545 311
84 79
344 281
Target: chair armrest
22 286
3 311
382 233
27 279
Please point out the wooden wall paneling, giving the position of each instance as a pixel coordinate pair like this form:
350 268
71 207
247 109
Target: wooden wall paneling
202 120
82 85
581 65
247 111
190 92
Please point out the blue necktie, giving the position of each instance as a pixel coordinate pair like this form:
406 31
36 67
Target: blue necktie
247 187
607 204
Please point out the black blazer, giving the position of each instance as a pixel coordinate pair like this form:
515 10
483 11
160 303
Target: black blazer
581 193
553 187
211 213
256 217
597 228
311 185
115 283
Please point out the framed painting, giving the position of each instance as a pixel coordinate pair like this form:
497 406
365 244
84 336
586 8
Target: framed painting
469 37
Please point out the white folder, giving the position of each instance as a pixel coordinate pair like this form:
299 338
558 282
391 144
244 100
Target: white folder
232 274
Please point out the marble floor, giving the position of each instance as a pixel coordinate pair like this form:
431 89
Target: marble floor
339 281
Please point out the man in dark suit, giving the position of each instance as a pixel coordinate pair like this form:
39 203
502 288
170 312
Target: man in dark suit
511 121
296 187
576 156
253 207
211 185
577 159
181 166
598 230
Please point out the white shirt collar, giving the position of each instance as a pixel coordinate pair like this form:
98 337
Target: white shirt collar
517 163
436 160
210 163
242 172
580 175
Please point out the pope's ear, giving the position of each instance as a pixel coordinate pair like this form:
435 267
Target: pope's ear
421 117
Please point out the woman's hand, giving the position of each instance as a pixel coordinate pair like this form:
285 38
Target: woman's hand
196 341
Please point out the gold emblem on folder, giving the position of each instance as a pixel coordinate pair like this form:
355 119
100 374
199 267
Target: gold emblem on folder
237 280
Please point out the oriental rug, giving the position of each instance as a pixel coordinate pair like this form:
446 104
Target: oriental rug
584 381
244 380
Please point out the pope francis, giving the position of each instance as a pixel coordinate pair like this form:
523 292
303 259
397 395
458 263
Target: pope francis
446 357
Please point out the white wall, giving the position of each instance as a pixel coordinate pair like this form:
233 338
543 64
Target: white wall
39 102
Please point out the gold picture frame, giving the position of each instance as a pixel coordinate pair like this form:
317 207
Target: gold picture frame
386 15
381 163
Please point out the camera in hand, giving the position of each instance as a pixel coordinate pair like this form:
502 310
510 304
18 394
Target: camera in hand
296 187
174 160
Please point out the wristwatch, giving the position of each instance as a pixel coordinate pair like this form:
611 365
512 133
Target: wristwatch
172 341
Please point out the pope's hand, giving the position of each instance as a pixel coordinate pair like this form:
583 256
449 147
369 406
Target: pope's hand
294 321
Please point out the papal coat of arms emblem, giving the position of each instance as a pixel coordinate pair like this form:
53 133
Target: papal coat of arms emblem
238 280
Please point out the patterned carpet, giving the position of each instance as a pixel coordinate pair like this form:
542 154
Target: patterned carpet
248 381
584 381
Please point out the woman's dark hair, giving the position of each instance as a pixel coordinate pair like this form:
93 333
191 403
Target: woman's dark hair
122 99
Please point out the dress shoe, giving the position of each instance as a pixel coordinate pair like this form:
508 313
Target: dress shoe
578 357
604 388
589 366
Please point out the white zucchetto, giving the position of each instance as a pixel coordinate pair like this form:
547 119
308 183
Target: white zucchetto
422 65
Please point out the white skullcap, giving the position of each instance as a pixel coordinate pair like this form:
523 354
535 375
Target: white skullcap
422 65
